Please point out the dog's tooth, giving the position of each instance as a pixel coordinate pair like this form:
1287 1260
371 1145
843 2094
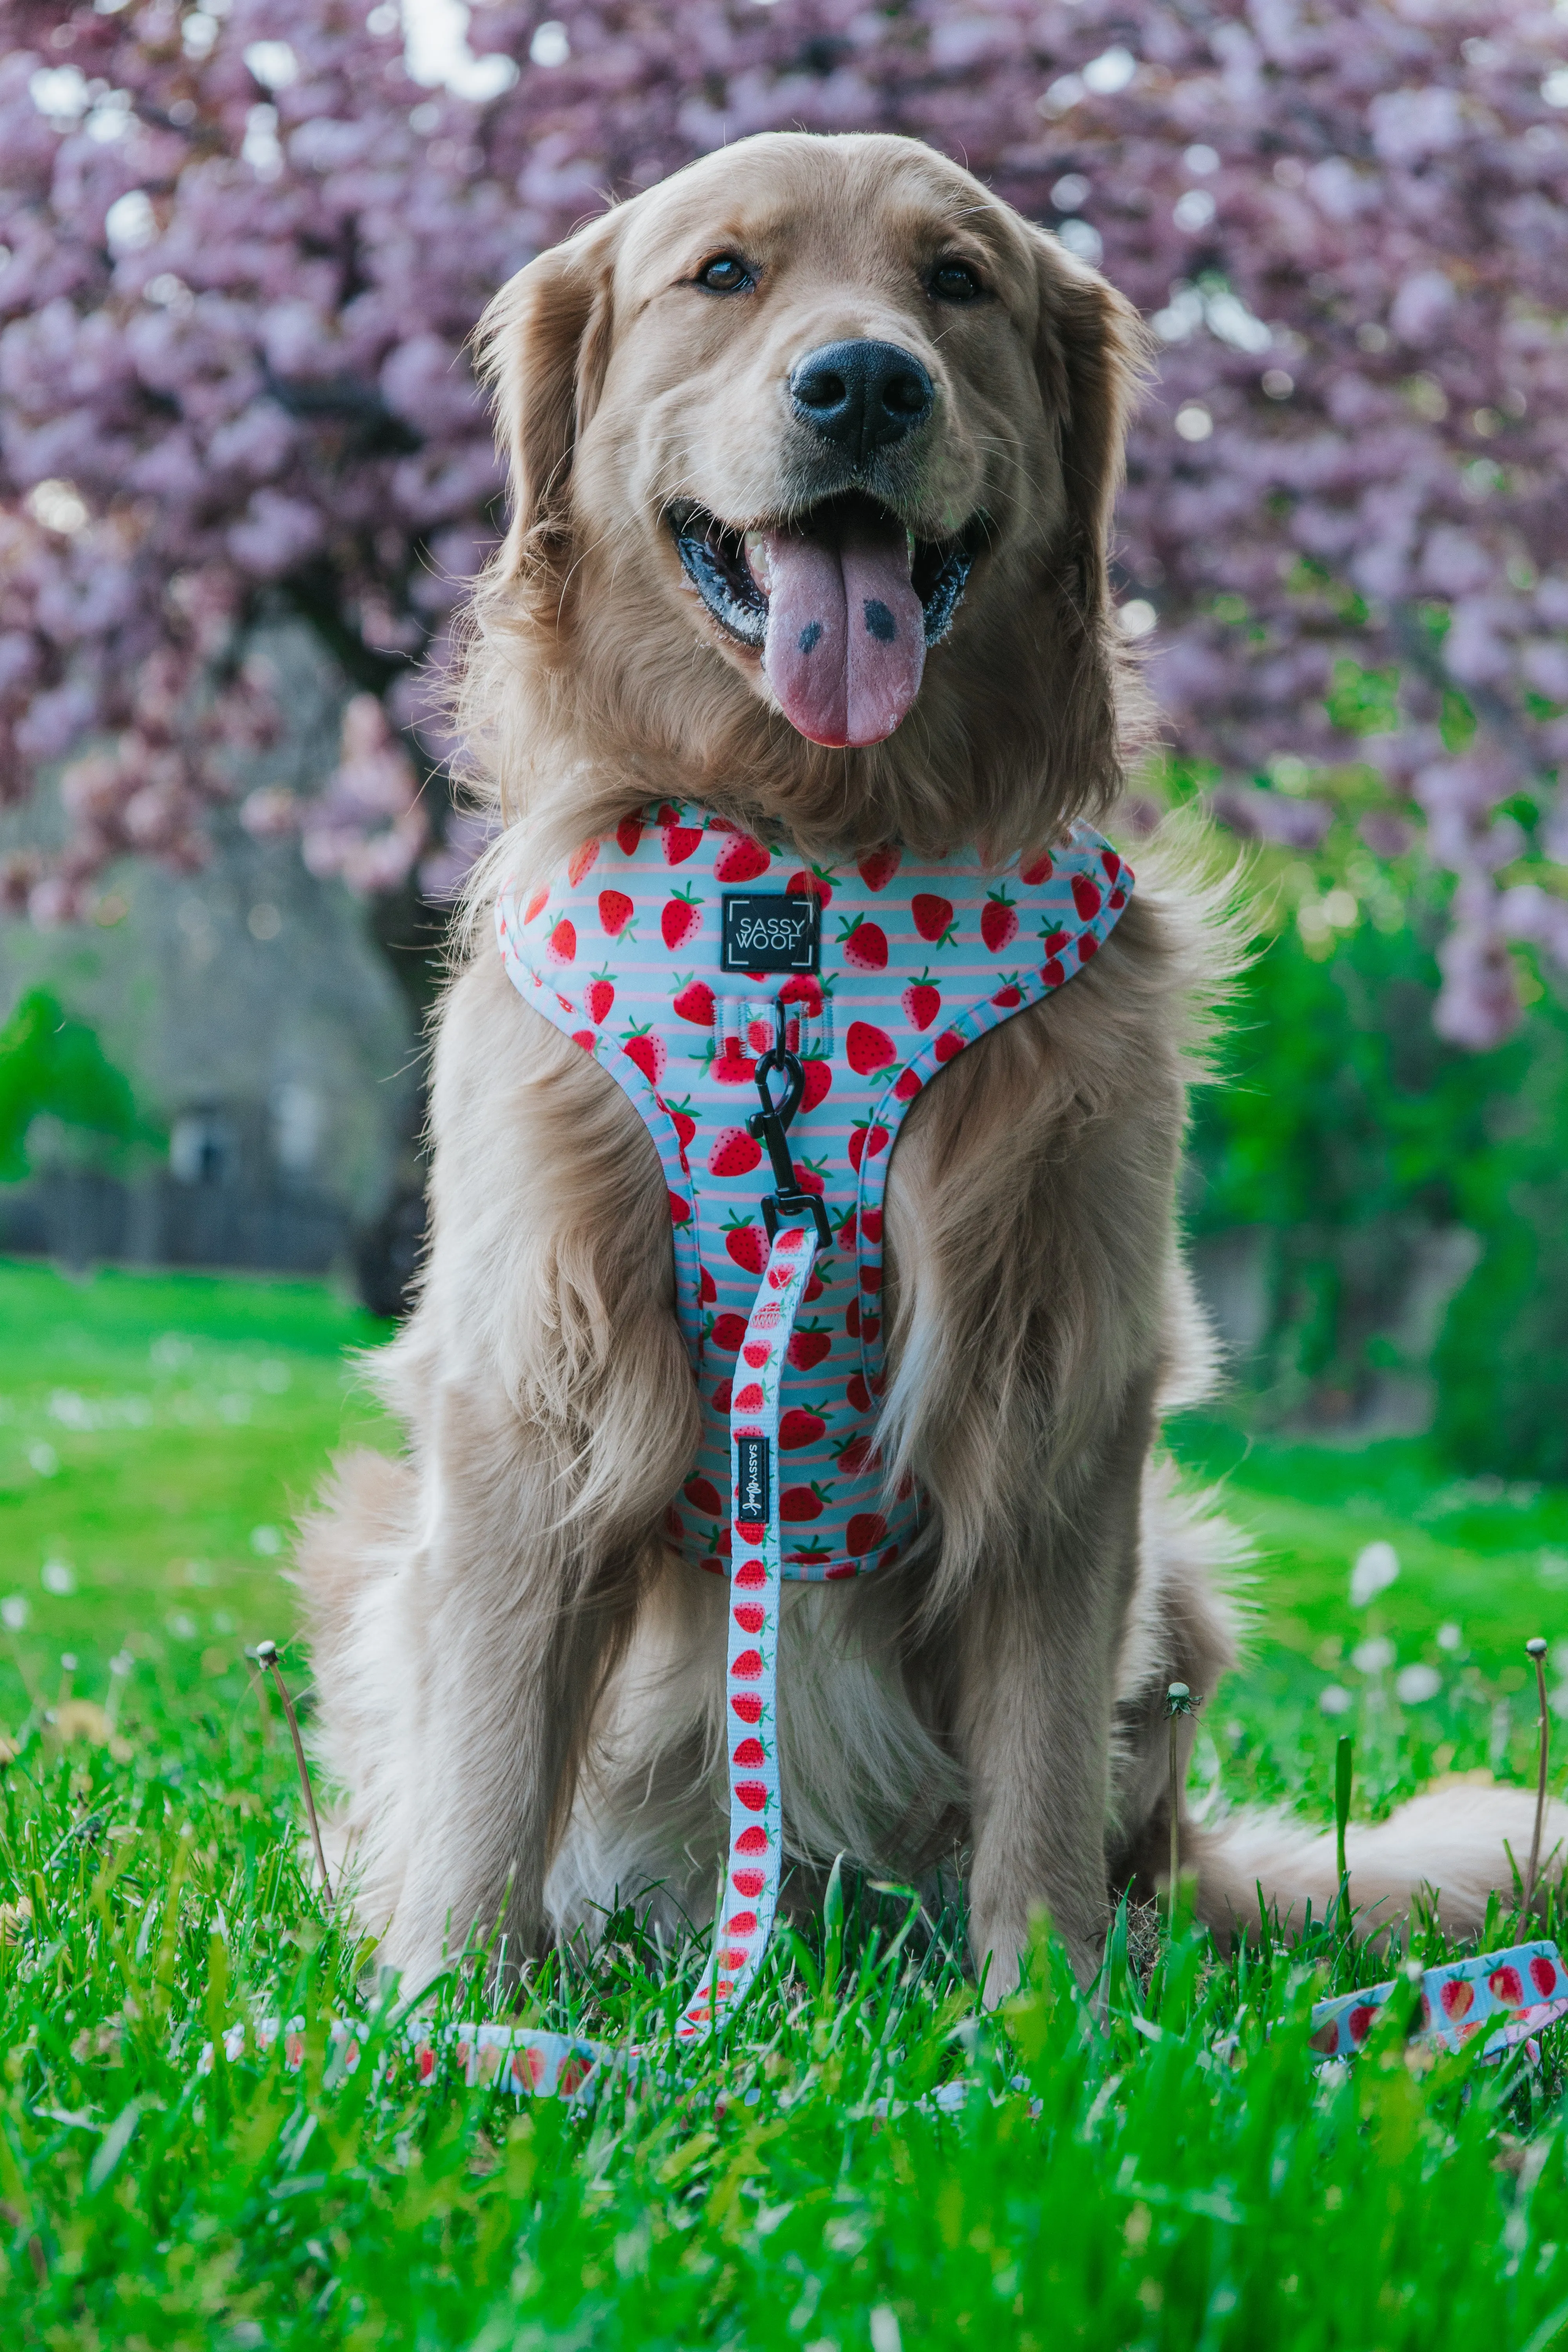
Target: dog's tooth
755 546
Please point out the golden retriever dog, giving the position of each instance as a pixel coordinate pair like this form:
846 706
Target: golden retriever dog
520 1687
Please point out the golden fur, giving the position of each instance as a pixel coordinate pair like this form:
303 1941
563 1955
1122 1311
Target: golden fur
521 1689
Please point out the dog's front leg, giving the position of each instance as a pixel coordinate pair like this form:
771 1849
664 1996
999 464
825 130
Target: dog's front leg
1033 1303
1038 1647
516 1622
470 1603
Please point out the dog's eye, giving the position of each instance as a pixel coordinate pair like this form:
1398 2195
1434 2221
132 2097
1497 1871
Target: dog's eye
725 274
955 281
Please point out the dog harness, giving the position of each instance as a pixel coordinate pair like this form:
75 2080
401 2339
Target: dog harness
771 1021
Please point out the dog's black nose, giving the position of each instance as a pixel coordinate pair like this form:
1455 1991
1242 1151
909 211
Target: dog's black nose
862 395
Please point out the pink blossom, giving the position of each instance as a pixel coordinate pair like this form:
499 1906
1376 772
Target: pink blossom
53 900
1385 833
1271 816
1409 125
275 535
367 826
468 834
1421 306
1477 650
270 812
1454 561
429 382
1543 665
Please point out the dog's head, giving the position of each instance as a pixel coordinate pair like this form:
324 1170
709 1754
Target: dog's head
813 451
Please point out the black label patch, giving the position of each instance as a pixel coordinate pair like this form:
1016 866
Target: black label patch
752 1477
771 931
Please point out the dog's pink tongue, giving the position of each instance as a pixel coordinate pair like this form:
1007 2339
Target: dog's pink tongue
845 636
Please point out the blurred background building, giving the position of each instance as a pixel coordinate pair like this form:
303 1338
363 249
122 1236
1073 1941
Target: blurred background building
270 1051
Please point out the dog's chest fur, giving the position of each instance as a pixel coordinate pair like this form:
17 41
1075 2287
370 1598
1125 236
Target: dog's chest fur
863 1773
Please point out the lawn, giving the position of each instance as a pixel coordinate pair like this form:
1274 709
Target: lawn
870 2162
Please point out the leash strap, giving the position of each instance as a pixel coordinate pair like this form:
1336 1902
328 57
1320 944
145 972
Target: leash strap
1506 1996
744 1918
1509 1997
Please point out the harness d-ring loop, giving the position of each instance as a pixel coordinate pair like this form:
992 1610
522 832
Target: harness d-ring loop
768 1126
779 1058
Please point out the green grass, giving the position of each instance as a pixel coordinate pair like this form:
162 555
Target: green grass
1178 2177
155 1434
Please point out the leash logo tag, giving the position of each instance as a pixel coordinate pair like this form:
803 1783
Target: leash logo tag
752 1476
771 931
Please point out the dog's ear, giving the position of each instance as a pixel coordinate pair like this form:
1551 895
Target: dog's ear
1093 356
544 343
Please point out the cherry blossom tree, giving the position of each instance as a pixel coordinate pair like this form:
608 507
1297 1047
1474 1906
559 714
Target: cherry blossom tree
246 241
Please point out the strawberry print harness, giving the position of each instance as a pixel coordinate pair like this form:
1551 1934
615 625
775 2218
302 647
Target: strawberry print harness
772 1022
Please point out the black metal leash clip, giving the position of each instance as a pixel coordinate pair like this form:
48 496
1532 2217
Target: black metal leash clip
768 1126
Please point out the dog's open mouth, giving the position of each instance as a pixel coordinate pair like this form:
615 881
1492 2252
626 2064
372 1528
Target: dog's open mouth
842 602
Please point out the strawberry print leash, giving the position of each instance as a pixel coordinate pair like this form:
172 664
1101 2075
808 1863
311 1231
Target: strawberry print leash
797 1226
1502 1999
750 1896
1507 1996
528 2061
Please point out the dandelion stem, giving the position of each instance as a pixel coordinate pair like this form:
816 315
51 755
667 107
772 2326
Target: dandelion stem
1178 1702
1345 1774
1535 1648
267 1655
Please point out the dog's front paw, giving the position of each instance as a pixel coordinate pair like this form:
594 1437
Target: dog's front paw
998 1951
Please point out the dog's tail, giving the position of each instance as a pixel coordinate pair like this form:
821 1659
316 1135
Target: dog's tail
1449 1849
